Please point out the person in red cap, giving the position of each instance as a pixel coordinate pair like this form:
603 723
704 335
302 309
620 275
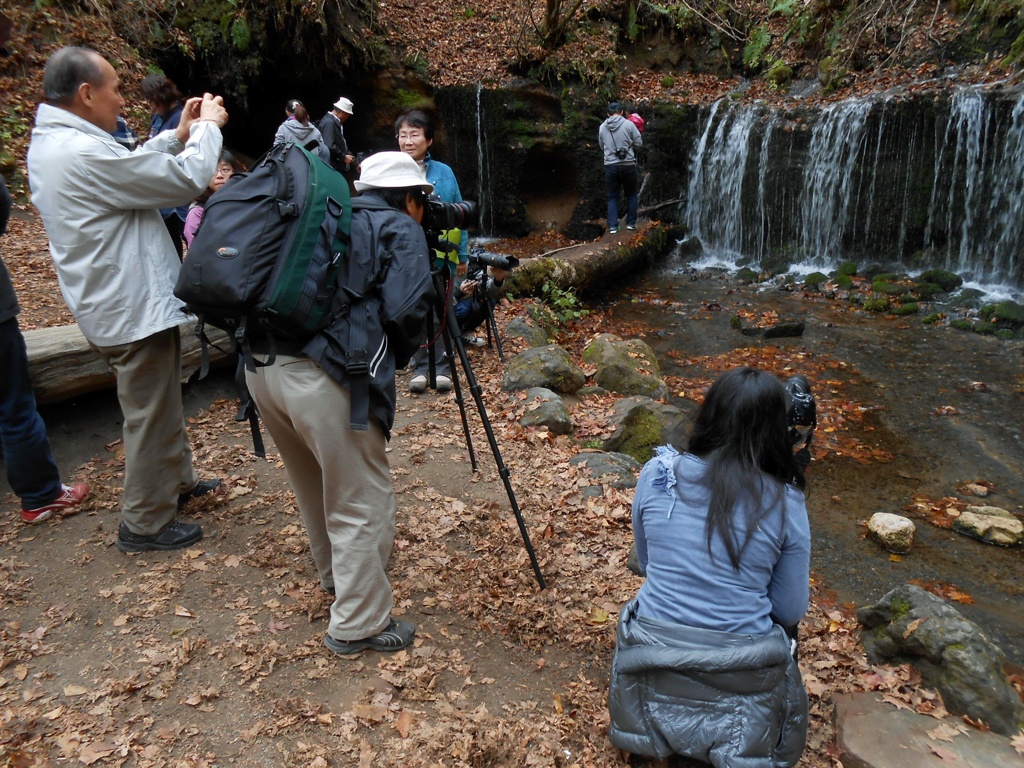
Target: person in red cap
619 139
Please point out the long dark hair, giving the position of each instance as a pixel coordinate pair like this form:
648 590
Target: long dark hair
741 432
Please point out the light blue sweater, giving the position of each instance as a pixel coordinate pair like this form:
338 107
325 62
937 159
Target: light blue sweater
685 585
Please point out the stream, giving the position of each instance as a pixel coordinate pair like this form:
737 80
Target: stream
947 406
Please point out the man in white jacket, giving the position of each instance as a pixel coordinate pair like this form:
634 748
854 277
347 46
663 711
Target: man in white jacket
117 268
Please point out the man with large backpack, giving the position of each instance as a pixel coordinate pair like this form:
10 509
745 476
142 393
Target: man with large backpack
310 392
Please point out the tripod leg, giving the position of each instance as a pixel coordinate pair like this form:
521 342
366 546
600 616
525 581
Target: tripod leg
503 471
492 325
448 336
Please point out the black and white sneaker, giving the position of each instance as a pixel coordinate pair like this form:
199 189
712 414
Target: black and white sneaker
398 634
472 341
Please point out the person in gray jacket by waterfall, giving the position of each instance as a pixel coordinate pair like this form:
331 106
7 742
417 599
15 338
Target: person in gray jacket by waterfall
297 129
619 139
704 663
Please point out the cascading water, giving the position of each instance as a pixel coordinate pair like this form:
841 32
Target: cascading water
885 178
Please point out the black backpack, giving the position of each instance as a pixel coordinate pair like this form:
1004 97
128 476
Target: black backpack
264 261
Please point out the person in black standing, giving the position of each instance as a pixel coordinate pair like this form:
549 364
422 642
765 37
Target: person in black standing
332 128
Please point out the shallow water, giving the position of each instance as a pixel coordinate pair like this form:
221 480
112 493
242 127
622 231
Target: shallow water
890 384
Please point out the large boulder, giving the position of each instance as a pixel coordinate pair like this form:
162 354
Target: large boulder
952 653
894 532
641 424
991 525
549 367
546 409
628 366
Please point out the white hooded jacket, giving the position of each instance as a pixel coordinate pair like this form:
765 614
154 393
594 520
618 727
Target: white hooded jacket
99 203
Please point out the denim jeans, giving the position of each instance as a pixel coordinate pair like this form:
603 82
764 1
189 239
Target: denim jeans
31 470
622 179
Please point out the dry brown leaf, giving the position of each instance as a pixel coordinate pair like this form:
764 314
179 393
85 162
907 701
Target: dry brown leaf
944 753
97 750
403 723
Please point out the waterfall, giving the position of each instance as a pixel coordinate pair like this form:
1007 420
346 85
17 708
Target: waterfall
917 181
482 177
827 201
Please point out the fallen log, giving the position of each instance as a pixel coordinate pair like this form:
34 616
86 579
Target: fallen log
63 365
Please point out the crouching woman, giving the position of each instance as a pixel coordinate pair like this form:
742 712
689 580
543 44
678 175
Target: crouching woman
704 662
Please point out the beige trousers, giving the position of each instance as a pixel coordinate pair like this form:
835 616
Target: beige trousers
342 483
157 454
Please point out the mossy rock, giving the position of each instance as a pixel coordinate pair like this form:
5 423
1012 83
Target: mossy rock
968 298
848 268
876 305
948 281
880 285
907 298
780 74
747 275
931 319
815 279
640 435
887 276
985 328
1005 334
961 325
927 291
905 309
844 282
1009 312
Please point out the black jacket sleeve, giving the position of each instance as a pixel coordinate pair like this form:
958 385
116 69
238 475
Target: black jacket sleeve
406 288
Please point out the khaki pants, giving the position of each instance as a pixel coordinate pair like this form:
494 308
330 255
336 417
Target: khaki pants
342 483
157 454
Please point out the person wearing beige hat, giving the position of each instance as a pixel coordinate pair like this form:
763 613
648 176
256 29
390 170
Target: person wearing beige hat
314 390
332 129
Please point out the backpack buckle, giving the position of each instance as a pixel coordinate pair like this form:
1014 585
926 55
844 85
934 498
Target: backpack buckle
358 364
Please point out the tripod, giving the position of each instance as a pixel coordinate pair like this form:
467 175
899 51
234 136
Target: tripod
445 310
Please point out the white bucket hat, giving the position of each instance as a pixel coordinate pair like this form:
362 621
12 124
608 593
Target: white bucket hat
391 170
345 105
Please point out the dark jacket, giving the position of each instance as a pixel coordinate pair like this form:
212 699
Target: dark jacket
333 131
8 301
385 292
732 700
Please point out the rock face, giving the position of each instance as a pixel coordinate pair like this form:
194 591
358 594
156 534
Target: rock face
894 532
628 367
952 653
549 367
991 525
549 411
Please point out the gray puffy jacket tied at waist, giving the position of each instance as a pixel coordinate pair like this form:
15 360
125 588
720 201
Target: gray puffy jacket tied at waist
731 700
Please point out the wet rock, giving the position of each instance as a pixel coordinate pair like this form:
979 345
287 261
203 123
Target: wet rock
894 532
628 366
618 468
871 733
991 525
549 411
549 367
784 329
533 335
691 246
952 654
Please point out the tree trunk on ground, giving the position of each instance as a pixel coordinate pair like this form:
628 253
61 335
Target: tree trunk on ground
63 364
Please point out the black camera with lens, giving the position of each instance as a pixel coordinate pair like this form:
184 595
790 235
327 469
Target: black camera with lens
803 410
438 216
484 259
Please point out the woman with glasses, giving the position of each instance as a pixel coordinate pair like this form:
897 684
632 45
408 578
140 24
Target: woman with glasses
227 167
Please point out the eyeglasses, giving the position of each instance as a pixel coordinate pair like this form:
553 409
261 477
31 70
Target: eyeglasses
409 135
224 170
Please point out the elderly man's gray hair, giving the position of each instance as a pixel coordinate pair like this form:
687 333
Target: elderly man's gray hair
67 69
